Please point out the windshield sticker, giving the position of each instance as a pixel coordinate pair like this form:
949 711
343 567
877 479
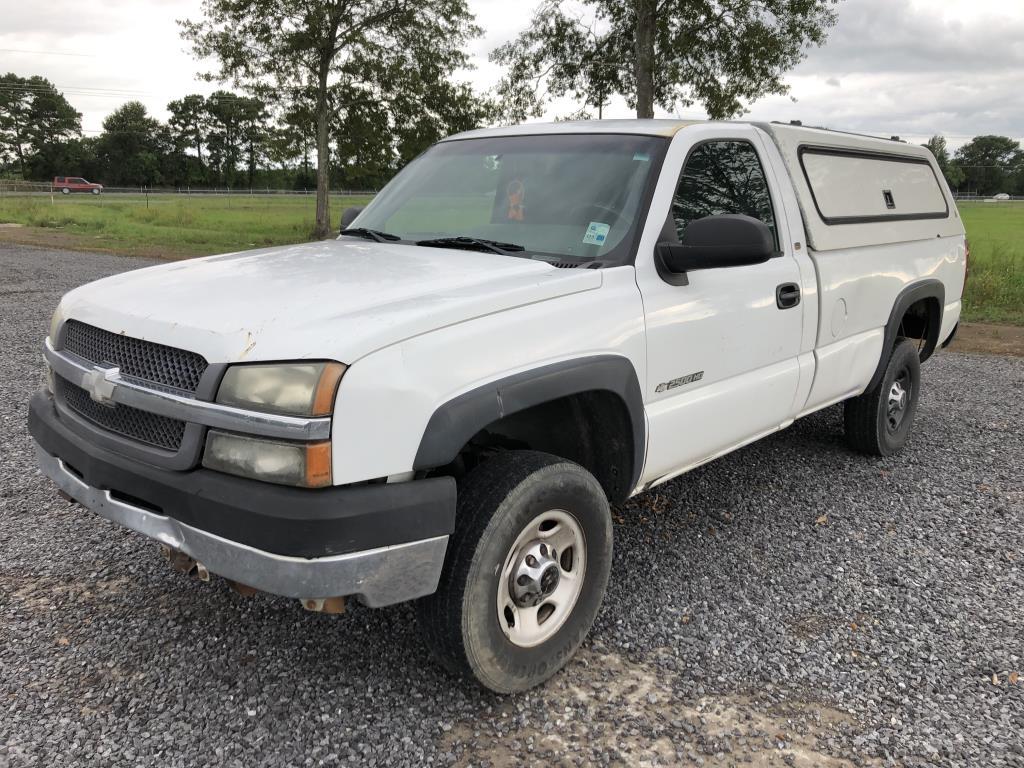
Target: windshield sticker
516 193
643 157
597 233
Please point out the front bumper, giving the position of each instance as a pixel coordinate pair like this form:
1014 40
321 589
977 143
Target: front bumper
382 543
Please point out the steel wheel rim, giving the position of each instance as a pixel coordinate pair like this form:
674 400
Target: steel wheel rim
898 400
532 611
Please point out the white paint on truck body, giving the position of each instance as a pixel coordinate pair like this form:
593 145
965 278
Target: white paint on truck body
419 326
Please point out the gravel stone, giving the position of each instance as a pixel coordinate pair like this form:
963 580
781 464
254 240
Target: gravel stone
791 603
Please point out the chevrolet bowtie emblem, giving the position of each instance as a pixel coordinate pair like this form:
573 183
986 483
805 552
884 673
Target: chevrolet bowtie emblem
100 384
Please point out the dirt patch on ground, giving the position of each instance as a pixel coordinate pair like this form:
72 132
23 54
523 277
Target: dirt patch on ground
626 713
983 339
46 237
44 593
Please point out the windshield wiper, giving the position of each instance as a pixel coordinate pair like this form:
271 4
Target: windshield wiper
370 234
473 244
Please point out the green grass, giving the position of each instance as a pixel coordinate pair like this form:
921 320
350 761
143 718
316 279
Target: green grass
169 225
177 226
995 288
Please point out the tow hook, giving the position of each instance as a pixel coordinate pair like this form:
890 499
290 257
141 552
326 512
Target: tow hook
182 563
324 604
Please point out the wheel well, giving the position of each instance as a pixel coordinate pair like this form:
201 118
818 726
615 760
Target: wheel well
591 428
921 321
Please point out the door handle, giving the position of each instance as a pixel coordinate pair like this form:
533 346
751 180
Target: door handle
787 295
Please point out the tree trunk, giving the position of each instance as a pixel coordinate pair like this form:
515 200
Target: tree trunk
21 150
646 21
323 173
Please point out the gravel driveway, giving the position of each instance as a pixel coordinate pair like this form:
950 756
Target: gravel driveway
790 604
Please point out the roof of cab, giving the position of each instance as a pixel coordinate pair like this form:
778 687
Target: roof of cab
666 128
781 132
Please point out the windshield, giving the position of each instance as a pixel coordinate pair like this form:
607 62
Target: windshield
577 196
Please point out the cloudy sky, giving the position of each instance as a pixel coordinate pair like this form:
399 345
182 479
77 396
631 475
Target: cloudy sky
907 67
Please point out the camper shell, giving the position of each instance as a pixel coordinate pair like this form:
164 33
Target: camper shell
857 191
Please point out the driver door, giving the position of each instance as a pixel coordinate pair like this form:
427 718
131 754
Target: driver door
722 351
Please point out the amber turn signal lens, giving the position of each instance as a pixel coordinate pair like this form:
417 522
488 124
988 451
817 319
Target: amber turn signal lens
318 465
326 388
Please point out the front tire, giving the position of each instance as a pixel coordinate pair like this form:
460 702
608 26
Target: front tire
525 573
879 421
95 191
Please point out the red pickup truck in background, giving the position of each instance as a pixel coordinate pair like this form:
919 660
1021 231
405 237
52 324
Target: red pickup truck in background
69 184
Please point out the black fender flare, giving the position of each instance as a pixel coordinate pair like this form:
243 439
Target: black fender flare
453 423
922 289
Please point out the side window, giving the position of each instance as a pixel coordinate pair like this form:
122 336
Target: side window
722 177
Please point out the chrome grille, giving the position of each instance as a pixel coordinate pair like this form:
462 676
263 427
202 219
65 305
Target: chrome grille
146 360
126 421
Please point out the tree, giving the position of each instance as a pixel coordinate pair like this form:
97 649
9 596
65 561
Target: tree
224 139
423 111
331 55
670 53
953 173
131 146
291 143
189 124
34 116
990 164
253 134
363 147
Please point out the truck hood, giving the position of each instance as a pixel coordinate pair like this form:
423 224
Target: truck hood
339 299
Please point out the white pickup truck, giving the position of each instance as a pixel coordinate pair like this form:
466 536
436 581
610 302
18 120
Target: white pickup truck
526 325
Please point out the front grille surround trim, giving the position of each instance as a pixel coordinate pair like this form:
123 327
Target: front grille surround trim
187 408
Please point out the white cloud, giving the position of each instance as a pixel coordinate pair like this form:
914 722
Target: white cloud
909 67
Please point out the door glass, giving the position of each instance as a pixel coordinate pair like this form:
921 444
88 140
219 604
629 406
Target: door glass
722 177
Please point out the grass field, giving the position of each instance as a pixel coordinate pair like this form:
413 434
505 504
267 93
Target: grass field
176 226
168 225
995 289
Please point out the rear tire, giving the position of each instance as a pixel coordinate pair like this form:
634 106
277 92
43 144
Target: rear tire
879 421
65 191
525 572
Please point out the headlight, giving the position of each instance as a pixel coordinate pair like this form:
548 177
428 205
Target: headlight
292 389
307 465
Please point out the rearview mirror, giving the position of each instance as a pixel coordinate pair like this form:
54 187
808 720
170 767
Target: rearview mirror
726 240
349 215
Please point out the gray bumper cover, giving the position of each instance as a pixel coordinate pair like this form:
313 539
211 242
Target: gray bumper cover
377 576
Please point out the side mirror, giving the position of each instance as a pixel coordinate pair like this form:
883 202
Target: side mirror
349 215
726 240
